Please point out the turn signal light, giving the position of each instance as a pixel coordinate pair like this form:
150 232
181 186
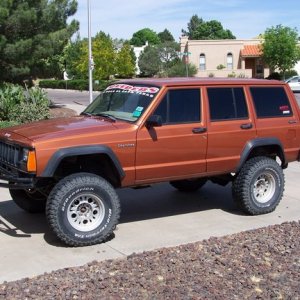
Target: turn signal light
31 161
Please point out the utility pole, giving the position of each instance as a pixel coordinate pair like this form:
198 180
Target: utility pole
91 62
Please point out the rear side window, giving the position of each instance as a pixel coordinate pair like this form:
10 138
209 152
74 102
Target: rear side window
180 106
227 103
270 102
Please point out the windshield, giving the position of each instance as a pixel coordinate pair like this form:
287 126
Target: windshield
122 101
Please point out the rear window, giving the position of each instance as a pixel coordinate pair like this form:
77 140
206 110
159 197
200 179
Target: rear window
270 102
227 103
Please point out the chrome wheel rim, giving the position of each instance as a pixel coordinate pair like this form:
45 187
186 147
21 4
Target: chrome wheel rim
264 187
86 212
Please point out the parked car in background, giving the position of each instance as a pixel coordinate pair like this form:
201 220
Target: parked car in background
294 83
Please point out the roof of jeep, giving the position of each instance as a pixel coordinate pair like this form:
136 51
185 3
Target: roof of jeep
190 81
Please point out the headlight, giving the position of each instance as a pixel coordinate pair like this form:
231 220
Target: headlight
25 154
28 160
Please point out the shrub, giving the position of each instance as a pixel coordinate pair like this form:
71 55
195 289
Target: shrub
21 106
289 74
274 75
10 96
232 75
4 124
220 67
179 70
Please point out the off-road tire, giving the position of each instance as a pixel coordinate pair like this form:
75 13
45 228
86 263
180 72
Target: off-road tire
83 209
188 185
258 187
31 201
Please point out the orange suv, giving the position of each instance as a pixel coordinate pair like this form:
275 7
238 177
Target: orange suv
141 132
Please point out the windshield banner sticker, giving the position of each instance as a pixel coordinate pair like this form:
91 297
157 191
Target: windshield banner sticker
125 88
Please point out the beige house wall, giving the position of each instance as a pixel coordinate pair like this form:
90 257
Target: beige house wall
216 52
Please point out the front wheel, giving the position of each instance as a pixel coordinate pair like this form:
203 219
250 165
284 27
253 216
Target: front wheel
259 186
83 209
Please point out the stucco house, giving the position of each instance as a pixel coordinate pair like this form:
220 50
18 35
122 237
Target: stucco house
221 58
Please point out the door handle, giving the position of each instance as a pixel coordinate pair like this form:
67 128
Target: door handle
292 121
246 126
199 130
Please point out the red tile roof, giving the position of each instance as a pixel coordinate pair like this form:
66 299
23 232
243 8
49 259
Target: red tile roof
251 51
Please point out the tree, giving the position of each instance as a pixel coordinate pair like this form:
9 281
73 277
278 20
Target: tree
211 30
125 62
72 54
168 54
192 25
280 49
149 61
33 34
142 36
103 55
166 36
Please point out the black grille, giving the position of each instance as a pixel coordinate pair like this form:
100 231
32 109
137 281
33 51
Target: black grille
9 154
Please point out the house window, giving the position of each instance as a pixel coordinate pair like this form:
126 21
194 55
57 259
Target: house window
229 61
202 65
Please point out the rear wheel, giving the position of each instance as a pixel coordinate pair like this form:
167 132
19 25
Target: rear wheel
188 185
31 200
259 186
83 209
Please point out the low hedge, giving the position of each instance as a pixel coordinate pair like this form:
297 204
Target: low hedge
75 84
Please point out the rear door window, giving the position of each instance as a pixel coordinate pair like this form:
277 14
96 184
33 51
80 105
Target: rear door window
227 103
271 102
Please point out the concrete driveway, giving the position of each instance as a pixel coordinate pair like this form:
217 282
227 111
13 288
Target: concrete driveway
151 218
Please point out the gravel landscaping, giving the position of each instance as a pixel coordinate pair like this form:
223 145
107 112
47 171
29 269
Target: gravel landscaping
256 264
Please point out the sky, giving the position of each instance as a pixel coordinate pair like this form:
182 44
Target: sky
245 18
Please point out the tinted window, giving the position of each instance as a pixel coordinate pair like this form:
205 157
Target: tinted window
227 103
180 106
270 102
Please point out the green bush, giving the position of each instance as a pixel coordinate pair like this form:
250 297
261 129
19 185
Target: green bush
179 70
4 124
75 84
18 105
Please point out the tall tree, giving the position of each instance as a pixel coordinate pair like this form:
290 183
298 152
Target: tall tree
149 61
125 62
72 54
144 35
280 49
32 34
210 30
103 55
166 36
192 25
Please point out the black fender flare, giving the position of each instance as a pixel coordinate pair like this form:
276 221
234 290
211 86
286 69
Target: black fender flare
260 142
60 154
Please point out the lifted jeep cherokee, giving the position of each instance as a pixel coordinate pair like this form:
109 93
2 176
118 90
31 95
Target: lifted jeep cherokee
141 132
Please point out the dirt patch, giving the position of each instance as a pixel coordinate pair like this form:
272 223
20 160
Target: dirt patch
59 112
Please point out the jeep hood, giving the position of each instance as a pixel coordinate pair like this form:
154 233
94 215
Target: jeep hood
62 128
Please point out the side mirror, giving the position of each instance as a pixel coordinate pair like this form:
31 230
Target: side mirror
154 121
